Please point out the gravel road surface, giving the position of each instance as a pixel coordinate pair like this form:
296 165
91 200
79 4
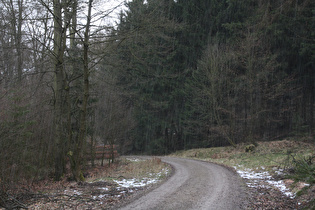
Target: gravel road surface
195 185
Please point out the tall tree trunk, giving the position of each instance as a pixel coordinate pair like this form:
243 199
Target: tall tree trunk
83 109
59 87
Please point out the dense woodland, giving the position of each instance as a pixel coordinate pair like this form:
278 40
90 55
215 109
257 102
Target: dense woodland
171 75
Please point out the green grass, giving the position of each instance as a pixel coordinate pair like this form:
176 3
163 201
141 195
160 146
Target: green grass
269 155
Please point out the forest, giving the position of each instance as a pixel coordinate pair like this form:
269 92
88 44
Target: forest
167 76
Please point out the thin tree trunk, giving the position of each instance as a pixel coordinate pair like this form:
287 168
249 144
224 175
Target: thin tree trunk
312 107
19 41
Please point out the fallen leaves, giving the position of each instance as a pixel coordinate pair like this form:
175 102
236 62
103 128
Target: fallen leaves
102 192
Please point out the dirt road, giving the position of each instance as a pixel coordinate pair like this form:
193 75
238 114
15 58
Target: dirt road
195 185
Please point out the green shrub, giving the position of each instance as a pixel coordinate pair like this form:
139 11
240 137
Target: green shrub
301 168
250 148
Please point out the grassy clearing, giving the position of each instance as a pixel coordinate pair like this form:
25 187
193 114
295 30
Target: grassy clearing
267 155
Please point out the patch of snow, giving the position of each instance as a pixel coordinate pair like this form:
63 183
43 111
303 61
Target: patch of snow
264 179
279 172
72 192
281 186
151 179
164 171
131 183
249 174
127 183
102 196
135 159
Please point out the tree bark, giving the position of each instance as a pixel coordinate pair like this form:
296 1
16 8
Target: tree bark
83 110
19 41
59 87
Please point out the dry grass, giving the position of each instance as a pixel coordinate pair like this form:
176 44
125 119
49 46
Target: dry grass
266 154
128 168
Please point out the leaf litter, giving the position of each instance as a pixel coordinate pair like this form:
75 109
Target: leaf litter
263 179
102 192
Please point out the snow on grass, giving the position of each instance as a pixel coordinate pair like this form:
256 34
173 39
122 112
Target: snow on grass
132 184
99 196
135 159
72 192
264 179
151 179
128 183
103 188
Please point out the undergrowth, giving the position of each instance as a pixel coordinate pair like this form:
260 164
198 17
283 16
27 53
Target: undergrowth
130 168
301 168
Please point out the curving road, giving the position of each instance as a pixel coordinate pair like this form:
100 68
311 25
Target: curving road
195 185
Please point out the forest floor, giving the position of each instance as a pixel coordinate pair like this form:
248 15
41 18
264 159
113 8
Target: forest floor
104 188
265 172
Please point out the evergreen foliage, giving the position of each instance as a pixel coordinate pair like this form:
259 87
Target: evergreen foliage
149 75
212 73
